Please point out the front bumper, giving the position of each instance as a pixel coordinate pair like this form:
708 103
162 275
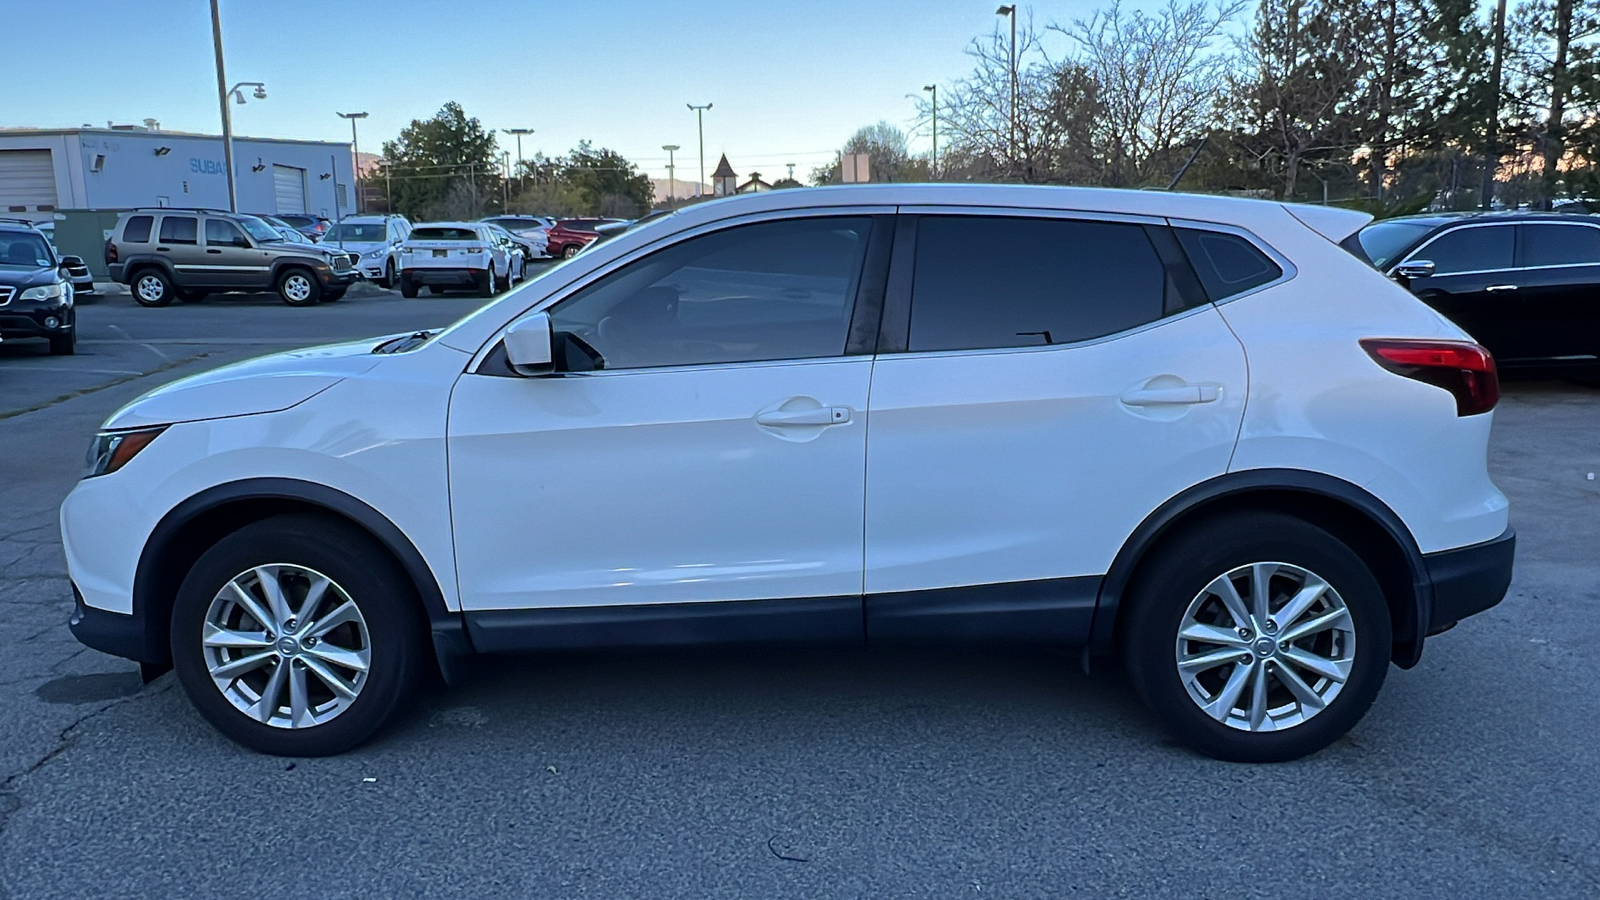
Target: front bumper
332 279
33 321
1469 580
115 633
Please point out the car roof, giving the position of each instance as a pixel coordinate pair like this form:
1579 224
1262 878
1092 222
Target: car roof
1436 219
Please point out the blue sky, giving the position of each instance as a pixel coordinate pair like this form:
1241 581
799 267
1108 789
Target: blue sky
789 81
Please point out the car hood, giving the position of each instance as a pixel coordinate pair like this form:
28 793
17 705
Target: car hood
264 385
21 278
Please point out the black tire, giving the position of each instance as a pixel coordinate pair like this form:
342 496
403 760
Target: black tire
151 287
1178 572
299 287
486 283
64 344
408 288
333 295
374 583
189 296
390 278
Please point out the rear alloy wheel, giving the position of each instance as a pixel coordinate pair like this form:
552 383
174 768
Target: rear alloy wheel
297 287
152 288
570 251
296 636
1258 638
408 288
486 282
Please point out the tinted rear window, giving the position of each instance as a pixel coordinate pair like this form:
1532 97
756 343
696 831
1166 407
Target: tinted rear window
1560 245
137 230
444 234
1226 263
179 230
1035 282
1485 247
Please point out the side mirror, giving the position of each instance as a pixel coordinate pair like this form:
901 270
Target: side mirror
1416 268
528 346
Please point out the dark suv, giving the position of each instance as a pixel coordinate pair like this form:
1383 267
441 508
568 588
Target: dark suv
36 288
1526 285
189 253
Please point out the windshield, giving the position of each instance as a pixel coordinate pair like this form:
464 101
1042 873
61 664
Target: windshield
24 250
261 231
1382 241
358 232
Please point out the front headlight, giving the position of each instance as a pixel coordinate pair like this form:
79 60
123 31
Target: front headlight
44 292
376 254
112 450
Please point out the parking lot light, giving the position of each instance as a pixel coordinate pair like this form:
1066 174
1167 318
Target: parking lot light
355 153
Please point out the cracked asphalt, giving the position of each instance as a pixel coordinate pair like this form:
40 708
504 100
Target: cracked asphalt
798 773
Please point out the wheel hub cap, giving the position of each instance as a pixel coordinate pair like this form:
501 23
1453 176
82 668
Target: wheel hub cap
1244 678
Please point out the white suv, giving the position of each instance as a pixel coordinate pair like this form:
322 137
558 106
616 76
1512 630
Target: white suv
1190 429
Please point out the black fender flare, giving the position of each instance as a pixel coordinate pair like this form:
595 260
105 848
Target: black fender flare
132 266
449 634
1235 485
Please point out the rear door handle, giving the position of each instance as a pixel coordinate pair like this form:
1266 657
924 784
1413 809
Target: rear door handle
1501 287
1173 396
789 418
213 251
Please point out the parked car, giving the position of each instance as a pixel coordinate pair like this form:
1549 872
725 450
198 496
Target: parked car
374 242
534 228
443 255
523 249
666 441
36 294
191 253
314 227
83 287
1526 285
567 237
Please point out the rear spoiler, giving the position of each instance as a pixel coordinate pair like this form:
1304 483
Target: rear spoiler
1331 222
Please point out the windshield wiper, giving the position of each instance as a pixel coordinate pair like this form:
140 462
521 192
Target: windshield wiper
402 344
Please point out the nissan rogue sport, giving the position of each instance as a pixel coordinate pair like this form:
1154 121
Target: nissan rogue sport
1193 431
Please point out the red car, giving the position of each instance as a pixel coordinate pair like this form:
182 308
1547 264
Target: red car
568 236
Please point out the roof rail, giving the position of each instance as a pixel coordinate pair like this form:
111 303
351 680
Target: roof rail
18 221
185 209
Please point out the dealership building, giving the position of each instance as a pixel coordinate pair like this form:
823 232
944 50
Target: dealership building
44 171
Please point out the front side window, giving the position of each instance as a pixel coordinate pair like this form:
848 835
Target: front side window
1560 245
1226 263
1484 248
770 291
179 230
222 233
137 231
986 282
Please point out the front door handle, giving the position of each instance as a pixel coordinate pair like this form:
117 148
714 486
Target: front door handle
213 251
1501 287
818 416
1173 396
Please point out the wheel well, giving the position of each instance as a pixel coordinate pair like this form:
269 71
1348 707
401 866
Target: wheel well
168 560
1371 540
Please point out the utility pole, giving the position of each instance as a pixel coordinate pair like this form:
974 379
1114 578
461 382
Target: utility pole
672 184
519 132
505 184
791 170
1492 131
700 121
934 89
1010 12
222 98
355 154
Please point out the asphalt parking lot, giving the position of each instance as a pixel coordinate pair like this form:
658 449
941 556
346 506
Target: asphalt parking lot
779 774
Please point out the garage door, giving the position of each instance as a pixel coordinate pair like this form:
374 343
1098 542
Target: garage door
289 186
27 181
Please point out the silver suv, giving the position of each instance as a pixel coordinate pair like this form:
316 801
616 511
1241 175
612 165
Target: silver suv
189 253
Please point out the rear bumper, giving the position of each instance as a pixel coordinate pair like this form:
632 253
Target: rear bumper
1469 580
444 276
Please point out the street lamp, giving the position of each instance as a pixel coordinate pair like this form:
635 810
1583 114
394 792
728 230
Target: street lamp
355 153
223 91
1010 12
700 120
672 183
934 89
519 132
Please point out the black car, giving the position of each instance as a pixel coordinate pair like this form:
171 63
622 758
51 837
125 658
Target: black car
1526 285
314 227
36 288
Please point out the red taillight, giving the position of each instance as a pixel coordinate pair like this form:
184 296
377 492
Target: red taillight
111 252
1464 369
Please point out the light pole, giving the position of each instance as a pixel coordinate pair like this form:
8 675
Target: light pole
1010 12
355 154
222 99
519 132
1492 131
672 183
700 120
934 89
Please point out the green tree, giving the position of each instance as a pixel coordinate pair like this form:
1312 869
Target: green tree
888 156
585 182
443 167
